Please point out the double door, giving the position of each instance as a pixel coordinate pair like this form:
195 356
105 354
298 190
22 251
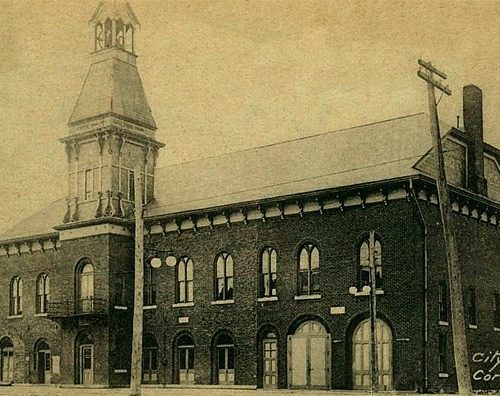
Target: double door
309 357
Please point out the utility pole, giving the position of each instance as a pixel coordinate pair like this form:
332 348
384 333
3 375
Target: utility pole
373 315
456 297
136 365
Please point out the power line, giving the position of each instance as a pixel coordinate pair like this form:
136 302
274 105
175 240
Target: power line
287 141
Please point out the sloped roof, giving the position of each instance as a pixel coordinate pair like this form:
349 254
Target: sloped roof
114 87
375 152
378 151
40 223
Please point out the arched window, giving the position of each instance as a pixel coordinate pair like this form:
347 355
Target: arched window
308 269
225 359
16 296
268 272
150 359
6 360
185 280
85 287
224 281
370 247
42 293
185 360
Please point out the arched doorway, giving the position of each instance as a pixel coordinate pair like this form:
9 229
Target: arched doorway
224 355
185 359
361 355
270 361
309 357
84 348
43 362
149 359
7 360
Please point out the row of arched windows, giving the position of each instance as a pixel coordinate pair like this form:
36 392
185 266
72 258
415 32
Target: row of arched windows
41 294
308 271
84 291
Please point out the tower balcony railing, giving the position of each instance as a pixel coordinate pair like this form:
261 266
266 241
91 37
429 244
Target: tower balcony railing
77 307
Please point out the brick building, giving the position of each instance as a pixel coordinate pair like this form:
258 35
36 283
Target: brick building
268 244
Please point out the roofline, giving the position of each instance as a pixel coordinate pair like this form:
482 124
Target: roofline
29 237
298 196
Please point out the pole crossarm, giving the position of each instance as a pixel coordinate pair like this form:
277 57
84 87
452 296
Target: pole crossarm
432 69
428 77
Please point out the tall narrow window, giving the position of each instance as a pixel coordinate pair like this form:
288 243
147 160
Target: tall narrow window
185 280
308 269
149 286
224 280
472 307
42 293
89 184
442 364
16 296
131 186
366 253
496 312
85 293
268 274
443 301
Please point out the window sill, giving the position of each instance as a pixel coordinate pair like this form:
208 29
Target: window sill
267 299
183 304
120 371
120 307
147 307
307 297
40 315
472 326
15 316
443 323
443 375
367 294
496 329
222 302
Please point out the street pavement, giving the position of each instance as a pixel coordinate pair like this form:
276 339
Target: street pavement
31 390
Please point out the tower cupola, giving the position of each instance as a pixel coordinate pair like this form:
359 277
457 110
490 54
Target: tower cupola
114 24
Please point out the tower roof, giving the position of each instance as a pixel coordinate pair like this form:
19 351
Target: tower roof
113 87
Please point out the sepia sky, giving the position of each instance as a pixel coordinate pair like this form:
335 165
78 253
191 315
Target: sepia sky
222 76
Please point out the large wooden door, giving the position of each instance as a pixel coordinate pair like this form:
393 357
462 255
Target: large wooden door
7 364
309 357
361 355
270 361
44 367
87 364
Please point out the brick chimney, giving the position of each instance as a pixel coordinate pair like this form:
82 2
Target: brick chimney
473 126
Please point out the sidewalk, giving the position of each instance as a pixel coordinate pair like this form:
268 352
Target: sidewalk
47 390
